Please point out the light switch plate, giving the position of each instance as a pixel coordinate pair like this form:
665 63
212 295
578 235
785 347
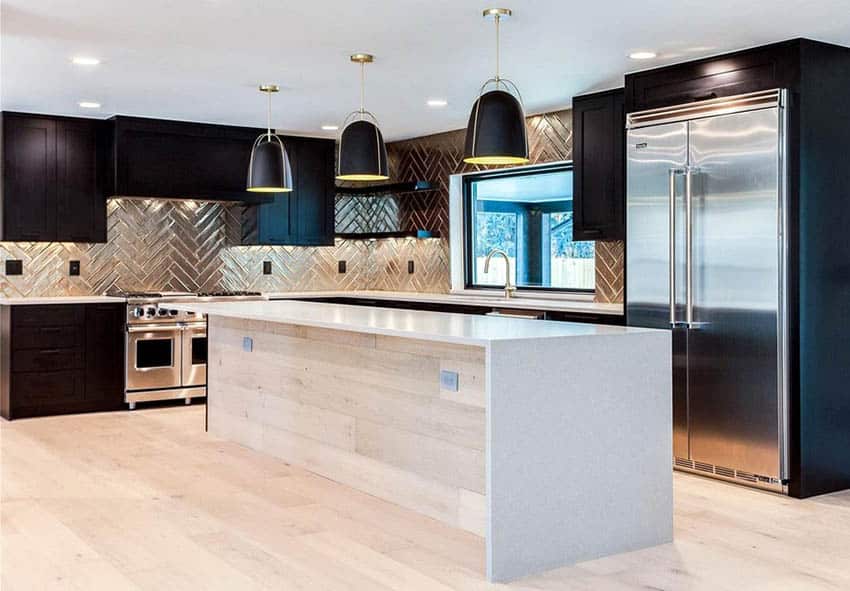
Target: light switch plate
247 344
448 380
74 268
267 267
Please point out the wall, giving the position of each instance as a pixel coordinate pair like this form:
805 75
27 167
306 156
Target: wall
187 245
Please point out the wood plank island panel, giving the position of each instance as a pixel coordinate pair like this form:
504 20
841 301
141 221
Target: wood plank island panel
362 409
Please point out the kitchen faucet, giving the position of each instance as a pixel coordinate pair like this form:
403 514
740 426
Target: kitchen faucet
509 289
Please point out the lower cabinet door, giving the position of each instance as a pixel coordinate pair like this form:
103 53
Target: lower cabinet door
105 338
46 393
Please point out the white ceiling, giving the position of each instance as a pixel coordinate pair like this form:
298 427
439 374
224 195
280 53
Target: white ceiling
201 60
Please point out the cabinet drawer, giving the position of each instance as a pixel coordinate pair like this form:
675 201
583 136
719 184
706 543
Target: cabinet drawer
49 315
46 359
48 337
47 388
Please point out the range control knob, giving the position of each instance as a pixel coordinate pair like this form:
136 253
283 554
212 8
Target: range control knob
138 312
173 312
162 312
150 311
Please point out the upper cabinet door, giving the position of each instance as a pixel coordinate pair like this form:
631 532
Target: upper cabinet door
80 171
599 166
29 178
178 160
315 189
276 220
763 68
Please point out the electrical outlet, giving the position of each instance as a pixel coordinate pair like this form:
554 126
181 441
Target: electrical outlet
247 344
410 267
267 267
74 268
14 267
341 266
448 380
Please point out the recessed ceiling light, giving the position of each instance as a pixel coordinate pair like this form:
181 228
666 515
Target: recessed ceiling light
330 127
89 105
643 55
82 60
437 102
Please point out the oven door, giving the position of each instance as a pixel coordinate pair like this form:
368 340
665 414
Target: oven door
153 357
195 355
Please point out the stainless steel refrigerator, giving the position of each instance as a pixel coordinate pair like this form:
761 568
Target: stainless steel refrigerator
706 258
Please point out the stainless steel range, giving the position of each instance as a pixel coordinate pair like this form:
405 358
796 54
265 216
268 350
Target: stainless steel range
166 349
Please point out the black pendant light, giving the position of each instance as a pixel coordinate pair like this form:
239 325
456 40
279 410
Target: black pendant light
496 131
269 170
362 153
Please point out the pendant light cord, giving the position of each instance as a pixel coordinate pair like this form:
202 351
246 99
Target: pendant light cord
498 73
362 89
269 120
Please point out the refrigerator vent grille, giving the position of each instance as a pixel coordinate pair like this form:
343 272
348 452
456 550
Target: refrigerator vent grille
683 463
721 471
749 477
703 467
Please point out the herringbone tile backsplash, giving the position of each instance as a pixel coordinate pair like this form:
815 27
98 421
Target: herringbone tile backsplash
189 245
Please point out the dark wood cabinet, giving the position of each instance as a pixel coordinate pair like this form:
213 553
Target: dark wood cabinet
104 355
60 359
304 216
762 68
599 147
53 179
29 178
81 162
315 192
181 160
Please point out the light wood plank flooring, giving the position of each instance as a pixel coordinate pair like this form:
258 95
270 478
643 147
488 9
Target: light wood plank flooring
146 500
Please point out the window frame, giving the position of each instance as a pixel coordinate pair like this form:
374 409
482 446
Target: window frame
467 236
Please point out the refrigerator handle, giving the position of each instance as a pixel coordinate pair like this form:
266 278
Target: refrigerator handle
689 276
672 173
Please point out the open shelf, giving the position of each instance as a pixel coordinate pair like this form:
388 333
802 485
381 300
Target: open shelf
387 188
364 236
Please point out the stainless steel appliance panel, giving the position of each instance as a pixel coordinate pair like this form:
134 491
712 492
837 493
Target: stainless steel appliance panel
194 358
657 157
153 357
733 303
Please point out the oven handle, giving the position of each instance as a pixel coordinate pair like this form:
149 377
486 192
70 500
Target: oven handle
196 326
136 329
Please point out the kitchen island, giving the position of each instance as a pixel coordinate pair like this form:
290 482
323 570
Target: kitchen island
549 439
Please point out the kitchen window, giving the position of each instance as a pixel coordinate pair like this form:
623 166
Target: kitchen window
528 214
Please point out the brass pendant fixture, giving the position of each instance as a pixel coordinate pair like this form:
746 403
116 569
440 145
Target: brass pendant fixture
269 170
362 153
496 134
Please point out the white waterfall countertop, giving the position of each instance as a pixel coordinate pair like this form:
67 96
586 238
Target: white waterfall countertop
464 329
